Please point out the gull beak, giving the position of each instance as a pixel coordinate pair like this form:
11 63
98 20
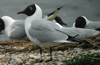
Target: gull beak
21 12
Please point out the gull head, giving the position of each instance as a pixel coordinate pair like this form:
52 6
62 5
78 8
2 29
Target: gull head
29 10
80 22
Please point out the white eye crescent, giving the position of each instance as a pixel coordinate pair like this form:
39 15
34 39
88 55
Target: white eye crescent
31 8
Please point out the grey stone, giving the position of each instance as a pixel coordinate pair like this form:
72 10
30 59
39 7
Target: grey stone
1 56
13 56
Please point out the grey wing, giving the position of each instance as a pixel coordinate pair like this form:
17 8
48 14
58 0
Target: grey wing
53 24
93 25
82 33
44 32
18 30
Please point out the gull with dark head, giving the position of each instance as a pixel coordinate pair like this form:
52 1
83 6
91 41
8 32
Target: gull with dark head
41 31
83 22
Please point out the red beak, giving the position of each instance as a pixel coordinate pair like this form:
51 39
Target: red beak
21 12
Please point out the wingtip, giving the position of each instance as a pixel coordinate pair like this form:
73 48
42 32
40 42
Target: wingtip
60 7
98 29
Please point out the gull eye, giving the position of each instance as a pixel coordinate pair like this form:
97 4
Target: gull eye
30 8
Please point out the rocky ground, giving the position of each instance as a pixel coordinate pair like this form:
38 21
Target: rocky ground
28 53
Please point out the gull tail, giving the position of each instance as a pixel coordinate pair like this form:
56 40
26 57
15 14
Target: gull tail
70 38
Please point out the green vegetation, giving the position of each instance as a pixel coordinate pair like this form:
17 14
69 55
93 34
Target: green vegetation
89 59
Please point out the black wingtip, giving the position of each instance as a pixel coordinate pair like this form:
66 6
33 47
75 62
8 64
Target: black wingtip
55 10
70 38
98 29
60 7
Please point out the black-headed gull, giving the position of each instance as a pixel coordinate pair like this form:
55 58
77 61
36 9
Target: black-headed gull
83 22
44 32
40 31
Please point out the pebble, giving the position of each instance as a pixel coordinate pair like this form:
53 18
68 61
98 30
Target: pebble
78 49
60 52
12 62
59 59
30 61
31 55
18 61
1 56
13 56
37 63
24 58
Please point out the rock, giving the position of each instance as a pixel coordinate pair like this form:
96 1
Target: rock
5 59
54 53
12 62
1 47
1 56
18 61
30 62
7 54
47 58
59 59
92 51
20 55
35 57
31 56
37 64
13 56
60 52
59 63
78 49
24 58
46 54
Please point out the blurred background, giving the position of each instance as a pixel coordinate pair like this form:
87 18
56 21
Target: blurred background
72 8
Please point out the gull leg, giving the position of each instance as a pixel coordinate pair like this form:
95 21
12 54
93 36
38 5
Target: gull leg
50 53
41 55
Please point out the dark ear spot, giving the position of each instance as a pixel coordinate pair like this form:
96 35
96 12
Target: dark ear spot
2 26
30 10
80 22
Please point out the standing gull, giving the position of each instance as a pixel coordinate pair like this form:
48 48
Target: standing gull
40 31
